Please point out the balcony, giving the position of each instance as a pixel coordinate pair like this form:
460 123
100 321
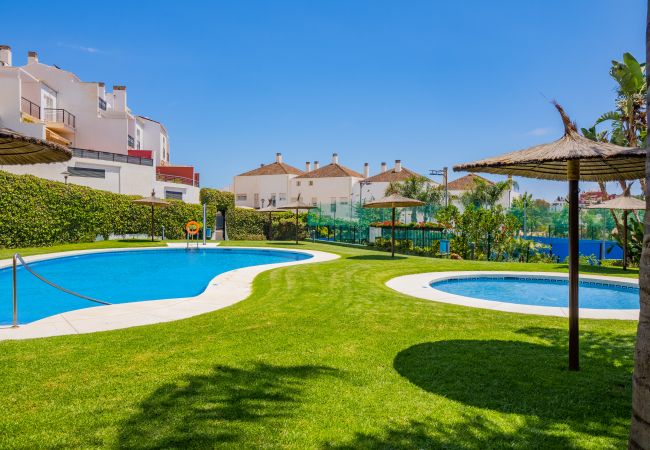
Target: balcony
176 179
30 109
114 157
60 120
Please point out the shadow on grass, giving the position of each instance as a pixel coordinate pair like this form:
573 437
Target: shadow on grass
531 380
603 270
203 411
376 257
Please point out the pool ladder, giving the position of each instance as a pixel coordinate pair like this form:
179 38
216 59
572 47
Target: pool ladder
17 258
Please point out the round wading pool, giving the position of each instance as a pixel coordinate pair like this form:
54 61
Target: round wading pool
123 277
542 291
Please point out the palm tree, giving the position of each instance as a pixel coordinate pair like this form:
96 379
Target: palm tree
485 194
640 428
419 188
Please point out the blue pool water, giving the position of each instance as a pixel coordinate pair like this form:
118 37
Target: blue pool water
124 276
541 292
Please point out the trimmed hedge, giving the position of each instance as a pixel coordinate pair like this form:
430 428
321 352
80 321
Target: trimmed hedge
39 212
221 200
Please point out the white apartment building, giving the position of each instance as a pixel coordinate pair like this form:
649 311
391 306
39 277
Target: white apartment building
334 185
374 187
113 148
466 183
266 185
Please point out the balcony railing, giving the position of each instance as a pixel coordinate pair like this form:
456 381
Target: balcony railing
30 108
60 115
102 103
131 141
107 156
176 179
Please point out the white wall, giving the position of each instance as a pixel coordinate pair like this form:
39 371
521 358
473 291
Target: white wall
264 186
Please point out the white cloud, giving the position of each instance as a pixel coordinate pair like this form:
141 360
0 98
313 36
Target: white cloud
83 48
539 132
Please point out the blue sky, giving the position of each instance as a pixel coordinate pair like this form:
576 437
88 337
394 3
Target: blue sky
432 83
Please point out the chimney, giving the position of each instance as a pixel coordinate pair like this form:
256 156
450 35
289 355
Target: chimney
366 170
316 165
383 167
278 157
398 165
335 158
119 93
5 55
307 166
261 164
32 57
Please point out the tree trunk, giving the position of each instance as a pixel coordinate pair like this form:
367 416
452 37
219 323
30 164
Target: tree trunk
640 428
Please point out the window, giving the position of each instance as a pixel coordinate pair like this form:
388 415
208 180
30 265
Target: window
130 141
241 197
283 197
86 172
102 104
297 183
138 138
333 204
343 200
311 183
174 195
314 201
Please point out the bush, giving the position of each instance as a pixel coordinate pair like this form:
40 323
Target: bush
38 212
220 200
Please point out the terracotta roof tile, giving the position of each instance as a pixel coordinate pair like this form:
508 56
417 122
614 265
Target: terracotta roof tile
276 168
331 171
392 175
466 183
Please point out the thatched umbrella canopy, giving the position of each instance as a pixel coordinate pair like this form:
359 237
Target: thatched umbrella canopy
626 204
16 148
154 202
297 205
573 158
270 209
393 201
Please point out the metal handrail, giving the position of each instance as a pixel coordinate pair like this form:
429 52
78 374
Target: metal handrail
16 259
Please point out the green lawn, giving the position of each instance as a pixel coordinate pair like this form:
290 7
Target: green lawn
325 356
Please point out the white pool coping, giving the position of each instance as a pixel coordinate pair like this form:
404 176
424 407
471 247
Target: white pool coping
419 285
223 290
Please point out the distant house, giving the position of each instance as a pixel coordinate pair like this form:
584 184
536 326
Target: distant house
266 185
374 187
466 183
333 184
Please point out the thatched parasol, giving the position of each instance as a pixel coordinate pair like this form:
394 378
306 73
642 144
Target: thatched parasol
154 202
297 205
393 201
16 148
627 204
573 158
270 209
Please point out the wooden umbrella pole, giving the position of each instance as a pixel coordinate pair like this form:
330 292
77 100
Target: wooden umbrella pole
151 223
270 225
625 212
296 225
573 174
392 236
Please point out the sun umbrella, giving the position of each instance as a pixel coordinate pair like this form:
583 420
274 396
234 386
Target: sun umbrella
573 158
297 205
16 148
627 204
393 201
154 202
270 209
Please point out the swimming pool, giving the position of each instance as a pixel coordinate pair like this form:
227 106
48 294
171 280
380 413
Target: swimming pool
125 276
545 291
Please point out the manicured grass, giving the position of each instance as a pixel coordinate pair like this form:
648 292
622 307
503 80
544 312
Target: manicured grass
325 356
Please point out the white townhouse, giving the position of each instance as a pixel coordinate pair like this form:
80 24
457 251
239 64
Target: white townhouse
466 183
374 187
266 185
333 186
113 148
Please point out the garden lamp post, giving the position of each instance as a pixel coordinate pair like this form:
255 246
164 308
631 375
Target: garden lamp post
571 158
626 204
393 202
